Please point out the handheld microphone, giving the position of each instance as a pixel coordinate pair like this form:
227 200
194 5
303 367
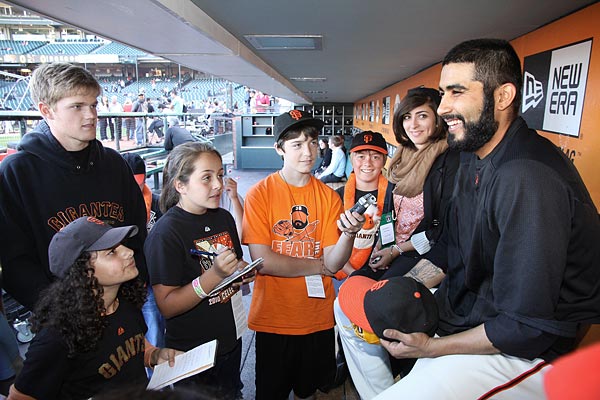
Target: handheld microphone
362 204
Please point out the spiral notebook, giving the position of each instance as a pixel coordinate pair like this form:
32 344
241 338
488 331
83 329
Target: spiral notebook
236 275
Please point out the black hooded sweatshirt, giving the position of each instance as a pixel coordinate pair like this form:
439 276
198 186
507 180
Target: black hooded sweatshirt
43 187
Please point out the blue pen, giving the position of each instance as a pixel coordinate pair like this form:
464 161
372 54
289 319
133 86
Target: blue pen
203 253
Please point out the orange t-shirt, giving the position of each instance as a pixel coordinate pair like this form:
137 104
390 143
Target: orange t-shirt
298 222
147 193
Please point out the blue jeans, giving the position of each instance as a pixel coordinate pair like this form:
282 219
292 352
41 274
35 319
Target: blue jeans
337 284
139 132
154 321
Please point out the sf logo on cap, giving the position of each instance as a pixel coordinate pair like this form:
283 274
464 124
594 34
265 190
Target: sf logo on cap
95 220
368 138
297 115
378 285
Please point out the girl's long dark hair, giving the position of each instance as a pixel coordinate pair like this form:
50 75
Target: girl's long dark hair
322 151
73 306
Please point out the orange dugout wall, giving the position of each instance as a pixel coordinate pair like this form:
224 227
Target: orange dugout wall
583 148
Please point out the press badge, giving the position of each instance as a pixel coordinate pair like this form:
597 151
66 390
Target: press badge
314 286
239 314
387 233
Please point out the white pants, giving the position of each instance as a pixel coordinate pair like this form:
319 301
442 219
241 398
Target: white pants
368 364
460 377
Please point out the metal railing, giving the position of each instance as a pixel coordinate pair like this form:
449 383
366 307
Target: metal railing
197 123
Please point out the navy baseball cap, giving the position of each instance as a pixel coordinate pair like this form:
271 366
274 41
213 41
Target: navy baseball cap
83 234
292 119
399 303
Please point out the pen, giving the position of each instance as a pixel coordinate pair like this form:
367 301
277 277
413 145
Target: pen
203 253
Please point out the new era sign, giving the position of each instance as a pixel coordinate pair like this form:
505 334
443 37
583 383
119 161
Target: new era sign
554 85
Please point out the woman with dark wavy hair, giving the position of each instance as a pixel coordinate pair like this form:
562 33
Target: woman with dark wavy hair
423 171
89 325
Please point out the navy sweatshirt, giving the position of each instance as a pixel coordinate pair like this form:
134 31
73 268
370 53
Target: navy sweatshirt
523 254
43 188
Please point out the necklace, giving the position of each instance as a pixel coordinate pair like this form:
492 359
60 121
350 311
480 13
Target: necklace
288 187
112 307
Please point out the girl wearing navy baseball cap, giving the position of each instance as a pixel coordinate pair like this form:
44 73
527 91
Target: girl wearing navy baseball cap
89 325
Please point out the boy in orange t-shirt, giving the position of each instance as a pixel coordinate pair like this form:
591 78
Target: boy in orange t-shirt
293 221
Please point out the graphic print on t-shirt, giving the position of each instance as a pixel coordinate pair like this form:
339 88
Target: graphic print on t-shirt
298 232
127 349
213 244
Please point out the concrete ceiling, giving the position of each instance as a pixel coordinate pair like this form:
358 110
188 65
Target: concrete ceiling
366 46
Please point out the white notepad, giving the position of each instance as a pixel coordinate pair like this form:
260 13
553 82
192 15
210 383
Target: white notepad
237 274
190 363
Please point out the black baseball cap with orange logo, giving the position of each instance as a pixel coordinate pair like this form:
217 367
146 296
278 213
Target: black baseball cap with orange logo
368 140
293 119
399 303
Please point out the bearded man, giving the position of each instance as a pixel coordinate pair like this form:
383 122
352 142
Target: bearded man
520 253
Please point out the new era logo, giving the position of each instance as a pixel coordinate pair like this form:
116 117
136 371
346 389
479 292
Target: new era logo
120 331
533 91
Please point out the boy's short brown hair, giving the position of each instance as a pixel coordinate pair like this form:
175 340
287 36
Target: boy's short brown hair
52 82
296 132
